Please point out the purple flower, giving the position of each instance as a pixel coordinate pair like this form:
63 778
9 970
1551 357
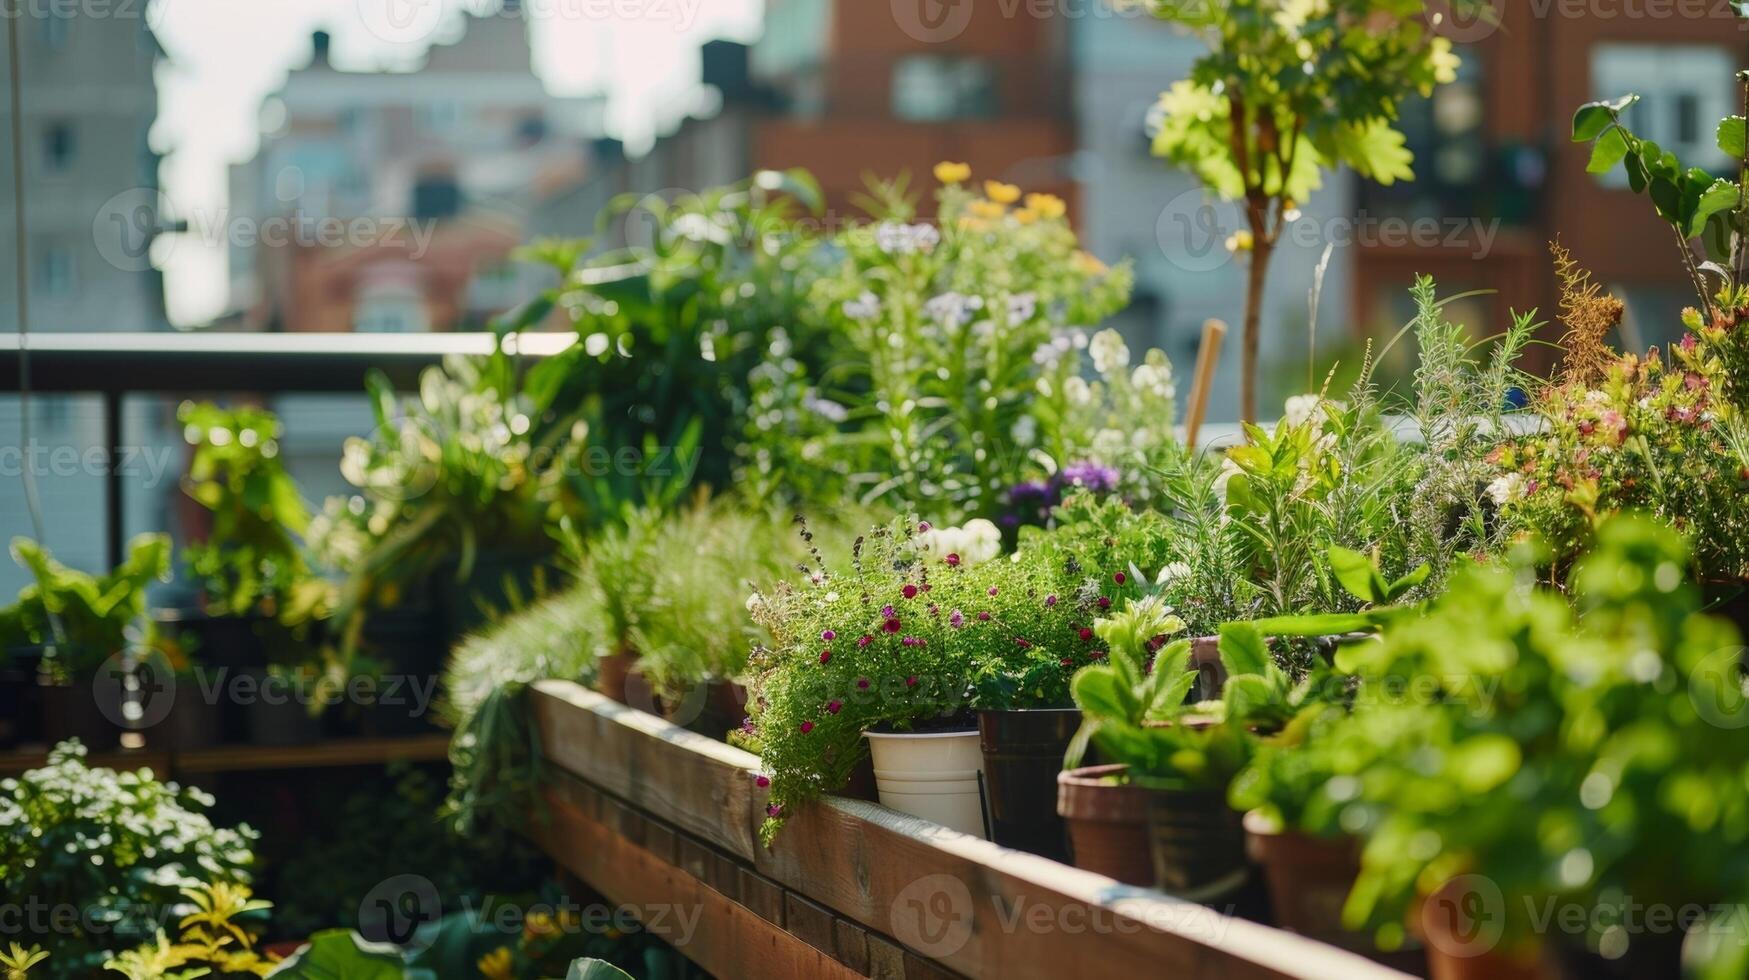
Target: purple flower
828 635
956 619
1050 601
1088 476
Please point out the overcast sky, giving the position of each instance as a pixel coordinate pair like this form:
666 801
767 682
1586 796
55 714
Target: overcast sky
226 56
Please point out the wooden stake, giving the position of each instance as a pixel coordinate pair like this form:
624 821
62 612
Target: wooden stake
1213 332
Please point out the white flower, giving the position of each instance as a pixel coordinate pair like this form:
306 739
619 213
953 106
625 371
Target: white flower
1154 380
952 310
1021 308
1172 572
1077 391
1109 443
1109 351
901 239
754 602
1301 409
1025 429
864 307
1507 489
978 541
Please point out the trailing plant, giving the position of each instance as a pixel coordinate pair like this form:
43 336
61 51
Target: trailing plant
81 620
118 846
1287 91
899 636
210 940
956 372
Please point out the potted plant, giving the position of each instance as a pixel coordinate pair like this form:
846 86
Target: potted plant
1613 726
884 653
79 622
260 605
117 846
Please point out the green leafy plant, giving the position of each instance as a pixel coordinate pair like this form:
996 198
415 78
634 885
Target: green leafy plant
252 560
1287 91
17 960
1603 724
118 847
81 619
212 940
1699 207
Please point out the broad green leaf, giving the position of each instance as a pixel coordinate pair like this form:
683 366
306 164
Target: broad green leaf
1732 137
1721 195
1326 624
1485 762
1355 571
1100 692
1376 150
338 954
593 969
1592 118
1610 150
1243 650
1401 586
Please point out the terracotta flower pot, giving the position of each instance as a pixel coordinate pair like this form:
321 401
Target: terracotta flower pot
1463 938
1107 821
1198 844
612 674
1023 753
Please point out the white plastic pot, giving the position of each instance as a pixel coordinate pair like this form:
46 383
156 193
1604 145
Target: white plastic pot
933 776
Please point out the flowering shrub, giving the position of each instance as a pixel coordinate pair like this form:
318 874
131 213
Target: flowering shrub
905 636
959 369
119 847
1659 433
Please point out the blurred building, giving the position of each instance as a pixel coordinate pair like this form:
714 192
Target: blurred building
1495 147
397 196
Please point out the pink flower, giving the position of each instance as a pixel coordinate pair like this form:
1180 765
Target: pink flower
984 617
1118 578
923 526
1050 600
952 559
828 635
956 619
888 612
833 706
1688 342
762 781
992 590
772 809
825 656
1104 603
864 640
911 681
909 591
807 726
862 683
1085 634
892 625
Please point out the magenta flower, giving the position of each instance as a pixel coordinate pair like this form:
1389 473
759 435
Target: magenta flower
888 612
909 591
833 706
825 656
984 616
911 681
1104 603
1050 600
864 640
892 625
828 635
952 559
772 809
1022 642
1085 634
762 781
992 590
956 619
807 726
1118 578
862 683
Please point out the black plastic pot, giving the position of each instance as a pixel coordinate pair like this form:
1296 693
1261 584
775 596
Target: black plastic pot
1023 753
21 716
1198 844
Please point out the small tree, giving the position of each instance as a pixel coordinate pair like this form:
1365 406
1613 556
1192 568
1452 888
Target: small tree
1289 89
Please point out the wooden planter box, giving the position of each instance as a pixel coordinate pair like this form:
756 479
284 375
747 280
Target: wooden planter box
654 816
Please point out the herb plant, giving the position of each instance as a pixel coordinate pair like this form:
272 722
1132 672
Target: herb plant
80 619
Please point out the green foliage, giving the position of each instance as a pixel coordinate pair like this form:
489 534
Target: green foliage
81 619
956 367
1699 207
118 847
915 630
252 559
1288 90
1573 756
213 938
340 954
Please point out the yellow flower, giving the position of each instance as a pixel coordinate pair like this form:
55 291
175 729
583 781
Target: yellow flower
1026 216
1088 264
497 965
1046 205
953 173
1445 61
975 224
986 209
1001 193
538 924
1240 241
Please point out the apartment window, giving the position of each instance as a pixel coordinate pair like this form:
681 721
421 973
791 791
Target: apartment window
391 309
55 273
1684 89
58 146
931 88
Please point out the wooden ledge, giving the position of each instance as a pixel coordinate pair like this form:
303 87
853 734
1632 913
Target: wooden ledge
849 868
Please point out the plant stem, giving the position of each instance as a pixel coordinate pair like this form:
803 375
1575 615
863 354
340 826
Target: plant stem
1256 274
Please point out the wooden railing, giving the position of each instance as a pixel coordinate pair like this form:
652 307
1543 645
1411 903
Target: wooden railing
654 816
